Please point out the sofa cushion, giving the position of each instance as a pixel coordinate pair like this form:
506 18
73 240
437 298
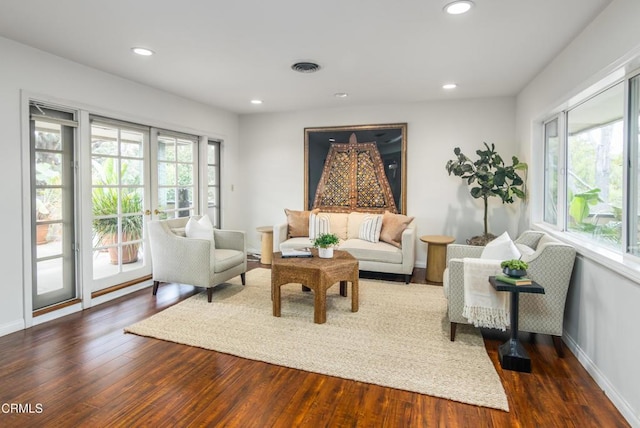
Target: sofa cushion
318 225
392 227
296 243
374 252
298 222
355 220
226 259
338 224
370 228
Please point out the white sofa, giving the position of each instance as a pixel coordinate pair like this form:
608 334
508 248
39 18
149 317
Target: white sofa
372 256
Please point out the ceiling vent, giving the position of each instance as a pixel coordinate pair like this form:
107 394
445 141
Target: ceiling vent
305 67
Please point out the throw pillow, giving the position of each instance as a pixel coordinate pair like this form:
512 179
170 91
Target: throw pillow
501 248
199 229
392 227
370 228
298 222
318 224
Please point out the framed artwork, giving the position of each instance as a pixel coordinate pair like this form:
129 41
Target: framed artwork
356 168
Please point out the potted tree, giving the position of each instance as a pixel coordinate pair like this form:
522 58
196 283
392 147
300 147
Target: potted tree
105 229
490 177
105 214
325 243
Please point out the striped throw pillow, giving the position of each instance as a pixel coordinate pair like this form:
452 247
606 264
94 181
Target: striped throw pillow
318 224
370 228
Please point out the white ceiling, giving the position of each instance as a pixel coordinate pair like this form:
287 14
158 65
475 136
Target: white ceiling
225 53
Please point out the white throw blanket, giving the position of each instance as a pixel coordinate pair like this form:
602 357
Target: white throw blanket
483 305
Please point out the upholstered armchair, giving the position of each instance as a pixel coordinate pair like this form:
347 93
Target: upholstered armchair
550 264
199 262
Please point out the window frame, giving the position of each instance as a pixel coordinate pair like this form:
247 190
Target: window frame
622 261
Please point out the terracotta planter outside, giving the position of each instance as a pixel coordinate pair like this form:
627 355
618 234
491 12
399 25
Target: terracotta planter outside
42 232
129 252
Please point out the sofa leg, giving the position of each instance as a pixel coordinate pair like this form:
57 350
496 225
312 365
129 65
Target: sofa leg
407 279
557 342
155 287
209 294
243 278
452 332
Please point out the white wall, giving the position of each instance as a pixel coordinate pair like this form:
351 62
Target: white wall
274 147
36 72
602 308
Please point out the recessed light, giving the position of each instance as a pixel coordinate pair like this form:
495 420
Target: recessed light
449 86
256 101
458 7
341 95
142 51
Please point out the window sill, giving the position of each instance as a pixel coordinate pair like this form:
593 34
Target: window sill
626 265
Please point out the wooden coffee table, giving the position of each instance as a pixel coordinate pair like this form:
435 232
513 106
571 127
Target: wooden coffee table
318 275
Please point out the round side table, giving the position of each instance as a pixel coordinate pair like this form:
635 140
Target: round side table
266 253
436 255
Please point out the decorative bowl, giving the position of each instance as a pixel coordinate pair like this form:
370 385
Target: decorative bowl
514 273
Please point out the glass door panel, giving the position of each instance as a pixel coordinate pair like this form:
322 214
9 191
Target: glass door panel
176 176
118 203
53 230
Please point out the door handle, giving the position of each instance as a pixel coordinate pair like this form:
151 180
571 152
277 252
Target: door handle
157 212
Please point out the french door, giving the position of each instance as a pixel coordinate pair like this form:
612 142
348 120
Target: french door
137 173
53 178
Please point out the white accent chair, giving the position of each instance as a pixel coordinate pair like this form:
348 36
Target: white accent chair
550 265
199 262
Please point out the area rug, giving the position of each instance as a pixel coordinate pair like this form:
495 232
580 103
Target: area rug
399 337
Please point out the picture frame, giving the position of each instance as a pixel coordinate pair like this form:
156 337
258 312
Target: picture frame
389 140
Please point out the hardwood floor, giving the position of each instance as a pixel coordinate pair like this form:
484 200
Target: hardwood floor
84 371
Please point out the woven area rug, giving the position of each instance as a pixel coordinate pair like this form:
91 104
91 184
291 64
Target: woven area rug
399 338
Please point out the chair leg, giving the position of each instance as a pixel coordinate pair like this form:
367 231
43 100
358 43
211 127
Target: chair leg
209 294
407 279
452 333
557 342
243 278
155 287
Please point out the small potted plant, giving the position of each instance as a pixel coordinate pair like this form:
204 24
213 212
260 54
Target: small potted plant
515 268
325 243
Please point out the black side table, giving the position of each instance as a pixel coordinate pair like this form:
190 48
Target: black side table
512 354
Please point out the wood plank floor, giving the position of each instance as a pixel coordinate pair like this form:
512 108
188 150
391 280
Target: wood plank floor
84 371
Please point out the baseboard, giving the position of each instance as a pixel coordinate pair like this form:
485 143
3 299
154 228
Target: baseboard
121 292
610 391
12 327
58 313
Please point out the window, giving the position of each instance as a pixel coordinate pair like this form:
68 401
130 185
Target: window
594 167
552 150
213 182
590 182
634 180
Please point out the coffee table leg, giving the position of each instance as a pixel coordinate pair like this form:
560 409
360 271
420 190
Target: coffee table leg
355 303
343 288
320 306
275 291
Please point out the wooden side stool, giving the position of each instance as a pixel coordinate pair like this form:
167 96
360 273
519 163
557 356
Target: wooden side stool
436 255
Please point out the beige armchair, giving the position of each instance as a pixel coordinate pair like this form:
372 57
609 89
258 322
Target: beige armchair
176 258
550 265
